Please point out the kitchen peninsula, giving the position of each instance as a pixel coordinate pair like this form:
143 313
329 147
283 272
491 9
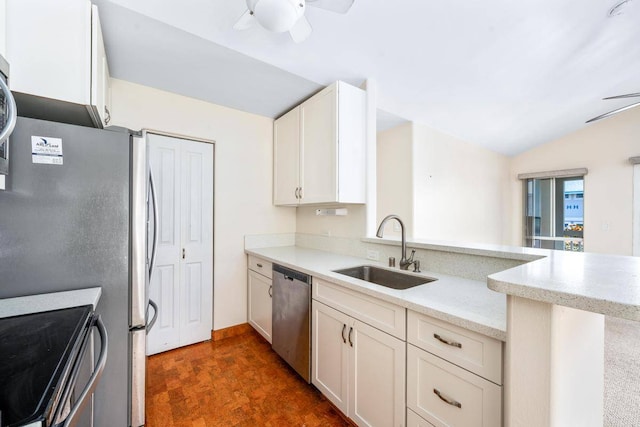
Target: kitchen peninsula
550 323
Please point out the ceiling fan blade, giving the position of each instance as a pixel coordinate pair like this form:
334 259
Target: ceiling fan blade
301 30
629 95
611 113
247 20
337 6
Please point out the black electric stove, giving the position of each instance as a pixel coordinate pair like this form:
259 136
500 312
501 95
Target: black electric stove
37 353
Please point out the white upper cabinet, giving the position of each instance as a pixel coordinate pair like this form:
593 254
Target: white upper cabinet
56 51
319 149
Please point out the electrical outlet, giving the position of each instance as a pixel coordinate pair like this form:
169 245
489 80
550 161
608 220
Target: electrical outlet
373 255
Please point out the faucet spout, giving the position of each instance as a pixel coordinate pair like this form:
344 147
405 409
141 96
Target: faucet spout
404 262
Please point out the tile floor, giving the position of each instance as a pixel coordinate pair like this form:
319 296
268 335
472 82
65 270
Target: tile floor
236 381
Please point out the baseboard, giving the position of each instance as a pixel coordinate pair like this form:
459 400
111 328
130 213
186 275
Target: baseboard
231 331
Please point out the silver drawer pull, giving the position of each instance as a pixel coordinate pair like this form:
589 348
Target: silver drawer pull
259 265
448 401
447 342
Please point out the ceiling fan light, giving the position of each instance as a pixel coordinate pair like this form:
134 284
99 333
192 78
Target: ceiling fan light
278 15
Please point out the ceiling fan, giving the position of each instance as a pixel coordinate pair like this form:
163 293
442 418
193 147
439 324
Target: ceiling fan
279 16
618 110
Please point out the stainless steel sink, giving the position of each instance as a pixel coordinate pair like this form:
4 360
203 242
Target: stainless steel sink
389 278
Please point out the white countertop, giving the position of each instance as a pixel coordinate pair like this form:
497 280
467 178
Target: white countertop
47 302
606 284
462 302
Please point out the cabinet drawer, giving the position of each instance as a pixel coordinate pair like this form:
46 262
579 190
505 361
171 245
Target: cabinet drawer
475 352
446 395
414 420
260 266
387 317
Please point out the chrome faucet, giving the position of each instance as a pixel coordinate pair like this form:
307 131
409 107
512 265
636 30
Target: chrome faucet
404 261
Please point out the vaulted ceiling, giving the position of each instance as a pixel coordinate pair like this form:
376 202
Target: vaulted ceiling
507 75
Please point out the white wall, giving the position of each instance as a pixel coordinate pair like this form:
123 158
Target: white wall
243 179
3 28
460 189
604 148
395 176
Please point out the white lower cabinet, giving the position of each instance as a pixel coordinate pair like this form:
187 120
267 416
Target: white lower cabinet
360 369
260 291
447 395
414 420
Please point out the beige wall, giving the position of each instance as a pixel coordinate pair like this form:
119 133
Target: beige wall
459 189
395 176
604 148
243 179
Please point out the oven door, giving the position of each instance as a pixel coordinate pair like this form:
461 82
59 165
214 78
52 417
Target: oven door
76 404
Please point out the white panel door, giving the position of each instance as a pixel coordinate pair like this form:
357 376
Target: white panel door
318 173
197 242
330 361
182 281
164 289
377 370
286 158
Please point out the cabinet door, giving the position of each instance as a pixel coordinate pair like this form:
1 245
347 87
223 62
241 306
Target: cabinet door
377 369
329 364
100 79
318 171
286 158
260 304
49 48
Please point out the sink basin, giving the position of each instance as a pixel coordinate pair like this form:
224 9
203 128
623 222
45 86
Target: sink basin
388 278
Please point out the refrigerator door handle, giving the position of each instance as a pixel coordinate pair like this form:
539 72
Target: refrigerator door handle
154 201
155 315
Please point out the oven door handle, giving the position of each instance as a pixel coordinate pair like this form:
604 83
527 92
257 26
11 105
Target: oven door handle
93 380
12 110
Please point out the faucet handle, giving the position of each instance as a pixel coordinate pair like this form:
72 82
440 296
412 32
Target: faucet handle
410 259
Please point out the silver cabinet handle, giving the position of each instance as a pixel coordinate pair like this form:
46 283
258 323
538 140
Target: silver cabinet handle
183 253
350 342
155 315
301 196
446 400
447 342
344 326
83 399
271 291
297 197
11 111
259 265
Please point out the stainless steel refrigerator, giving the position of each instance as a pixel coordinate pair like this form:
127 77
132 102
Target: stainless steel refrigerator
74 215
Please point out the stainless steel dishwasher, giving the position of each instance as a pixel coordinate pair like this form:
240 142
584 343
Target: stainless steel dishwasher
291 318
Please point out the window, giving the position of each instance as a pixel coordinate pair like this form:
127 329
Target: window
554 213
